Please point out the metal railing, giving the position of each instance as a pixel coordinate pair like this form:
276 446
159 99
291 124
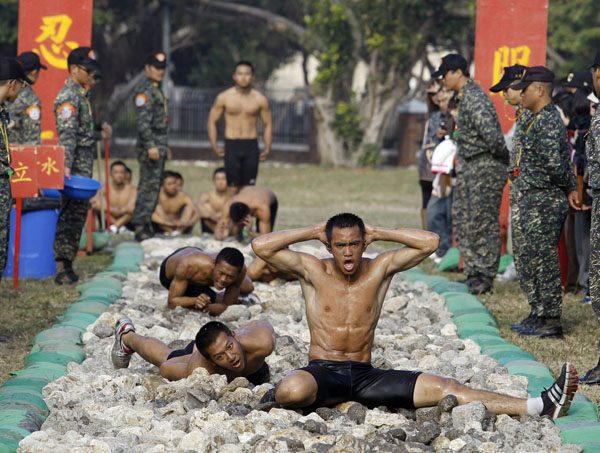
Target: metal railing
189 108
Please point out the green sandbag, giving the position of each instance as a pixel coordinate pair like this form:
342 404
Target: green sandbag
529 371
73 351
469 310
94 308
109 293
31 421
83 317
478 318
104 299
77 323
448 286
48 357
504 357
581 435
64 333
99 240
450 260
28 406
99 282
468 330
23 395
582 410
48 371
119 276
460 301
10 436
505 260
536 385
26 382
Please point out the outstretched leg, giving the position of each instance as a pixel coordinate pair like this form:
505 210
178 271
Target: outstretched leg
127 342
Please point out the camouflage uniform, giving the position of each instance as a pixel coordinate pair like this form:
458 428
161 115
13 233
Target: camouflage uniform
75 127
480 179
544 178
25 125
592 150
151 109
524 119
5 195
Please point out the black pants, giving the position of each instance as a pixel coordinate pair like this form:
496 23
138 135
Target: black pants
241 162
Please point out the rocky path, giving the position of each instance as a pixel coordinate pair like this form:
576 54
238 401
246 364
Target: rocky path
95 408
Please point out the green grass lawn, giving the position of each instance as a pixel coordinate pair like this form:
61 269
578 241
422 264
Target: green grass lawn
309 194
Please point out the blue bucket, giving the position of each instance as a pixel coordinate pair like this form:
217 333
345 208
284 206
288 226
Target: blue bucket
81 187
36 257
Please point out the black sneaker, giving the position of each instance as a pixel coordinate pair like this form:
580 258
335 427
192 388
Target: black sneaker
66 275
591 377
543 328
557 399
481 285
523 323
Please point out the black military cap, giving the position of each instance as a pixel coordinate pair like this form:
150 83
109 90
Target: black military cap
596 61
30 61
534 74
577 79
12 69
511 74
86 57
450 62
157 59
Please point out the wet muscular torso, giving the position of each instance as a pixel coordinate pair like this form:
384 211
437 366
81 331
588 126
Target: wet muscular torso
342 314
192 265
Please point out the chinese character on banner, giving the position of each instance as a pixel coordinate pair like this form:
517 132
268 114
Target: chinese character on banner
51 163
24 180
509 56
54 46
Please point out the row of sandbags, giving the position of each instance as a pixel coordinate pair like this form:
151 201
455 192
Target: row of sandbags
474 321
22 406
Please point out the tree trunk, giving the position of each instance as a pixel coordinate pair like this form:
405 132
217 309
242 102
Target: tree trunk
329 146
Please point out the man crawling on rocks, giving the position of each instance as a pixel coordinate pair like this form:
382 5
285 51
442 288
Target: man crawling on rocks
190 274
344 297
216 348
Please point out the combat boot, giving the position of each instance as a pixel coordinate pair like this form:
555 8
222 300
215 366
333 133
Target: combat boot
592 377
481 285
543 328
66 274
523 323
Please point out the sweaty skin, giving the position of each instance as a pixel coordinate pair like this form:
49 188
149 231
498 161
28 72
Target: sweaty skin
175 210
239 355
210 205
192 266
259 200
344 296
260 271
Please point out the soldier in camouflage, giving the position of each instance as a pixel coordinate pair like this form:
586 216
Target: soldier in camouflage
25 126
545 187
152 119
480 175
76 132
592 151
12 77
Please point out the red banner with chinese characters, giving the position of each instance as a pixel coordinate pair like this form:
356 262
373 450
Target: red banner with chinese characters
35 168
52 28
508 32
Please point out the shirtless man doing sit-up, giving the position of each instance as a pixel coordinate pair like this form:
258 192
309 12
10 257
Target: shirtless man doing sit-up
216 348
343 297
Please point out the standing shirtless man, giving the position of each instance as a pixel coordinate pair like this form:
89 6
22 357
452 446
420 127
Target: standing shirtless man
242 106
190 274
343 297
216 348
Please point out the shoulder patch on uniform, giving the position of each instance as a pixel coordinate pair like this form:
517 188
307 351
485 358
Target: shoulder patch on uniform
34 112
66 110
140 99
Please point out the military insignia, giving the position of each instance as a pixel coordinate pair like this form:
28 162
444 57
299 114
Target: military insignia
570 77
66 111
140 99
33 111
160 56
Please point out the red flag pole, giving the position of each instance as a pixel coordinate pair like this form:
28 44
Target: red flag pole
107 183
19 207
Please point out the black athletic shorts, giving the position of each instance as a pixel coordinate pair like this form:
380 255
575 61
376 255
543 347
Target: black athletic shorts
192 289
241 161
359 381
181 352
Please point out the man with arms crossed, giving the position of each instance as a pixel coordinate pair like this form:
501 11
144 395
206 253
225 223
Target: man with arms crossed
190 274
211 203
175 212
241 105
344 296
216 348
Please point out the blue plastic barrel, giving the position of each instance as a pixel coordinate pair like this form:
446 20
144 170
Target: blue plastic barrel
36 257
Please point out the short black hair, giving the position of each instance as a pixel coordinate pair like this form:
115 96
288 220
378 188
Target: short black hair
245 63
169 174
208 334
219 170
118 162
231 256
238 211
344 220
